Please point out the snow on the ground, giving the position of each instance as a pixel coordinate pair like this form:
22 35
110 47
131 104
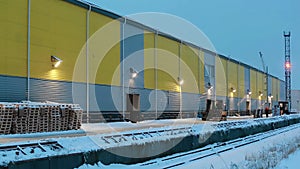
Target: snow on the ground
292 162
42 134
95 142
265 154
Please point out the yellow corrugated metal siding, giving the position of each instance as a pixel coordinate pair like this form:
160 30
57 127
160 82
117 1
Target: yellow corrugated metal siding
63 33
13 38
201 72
253 80
57 28
241 83
221 79
168 64
149 60
260 84
189 69
276 89
232 77
104 46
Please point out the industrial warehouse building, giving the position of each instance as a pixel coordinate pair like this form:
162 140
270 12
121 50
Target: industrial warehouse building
112 66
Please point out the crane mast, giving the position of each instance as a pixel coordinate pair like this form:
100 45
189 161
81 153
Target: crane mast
265 69
288 64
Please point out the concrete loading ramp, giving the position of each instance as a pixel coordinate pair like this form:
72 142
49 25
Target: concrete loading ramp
142 145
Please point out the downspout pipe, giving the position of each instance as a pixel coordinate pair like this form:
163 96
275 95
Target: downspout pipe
123 68
28 49
155 62
180 99
87 64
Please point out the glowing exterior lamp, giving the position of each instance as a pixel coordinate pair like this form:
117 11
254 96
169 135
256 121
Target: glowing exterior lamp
209 86
233 90
133 72
287 65
260 94
180 81
270 96
55 61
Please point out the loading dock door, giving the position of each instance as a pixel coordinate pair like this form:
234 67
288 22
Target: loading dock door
133 106
248 108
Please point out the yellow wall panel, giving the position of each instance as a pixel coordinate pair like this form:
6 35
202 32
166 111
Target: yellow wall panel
253 85
260 84
274 89
168 64
13 38
61 33
232 77
221 71
189 69
104 50
278 89
201 72
149 60
241 78
109 68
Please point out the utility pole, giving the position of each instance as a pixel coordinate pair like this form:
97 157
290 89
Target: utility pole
288 65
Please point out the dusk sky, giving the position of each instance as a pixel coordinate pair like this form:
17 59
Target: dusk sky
239 29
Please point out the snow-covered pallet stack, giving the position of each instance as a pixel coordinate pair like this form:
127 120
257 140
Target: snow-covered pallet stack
75 117
64 112
6 117
55 119
32 117
20 122
44 118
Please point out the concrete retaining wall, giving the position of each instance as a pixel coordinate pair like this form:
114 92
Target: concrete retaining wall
127 154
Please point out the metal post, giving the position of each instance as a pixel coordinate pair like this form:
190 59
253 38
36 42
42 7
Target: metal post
155 62
238 87
87 64
288 68
267 87
123 68
28 50
180 94
227 97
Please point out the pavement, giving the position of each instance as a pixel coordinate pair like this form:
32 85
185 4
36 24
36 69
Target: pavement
106 128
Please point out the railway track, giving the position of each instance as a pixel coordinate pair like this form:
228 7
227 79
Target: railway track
177 160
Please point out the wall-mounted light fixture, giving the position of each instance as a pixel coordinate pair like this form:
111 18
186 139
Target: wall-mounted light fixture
55 61
180 81
260 93
209 86
133 73
270 96
249 92
233 90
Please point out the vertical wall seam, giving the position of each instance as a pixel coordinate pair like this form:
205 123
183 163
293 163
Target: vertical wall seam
227 97
180 78
87 62
238 87
123 68
155 62
28 49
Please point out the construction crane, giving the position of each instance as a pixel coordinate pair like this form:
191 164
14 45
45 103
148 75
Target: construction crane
265 69
262 61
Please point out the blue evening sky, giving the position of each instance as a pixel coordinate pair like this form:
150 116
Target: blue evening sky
236 28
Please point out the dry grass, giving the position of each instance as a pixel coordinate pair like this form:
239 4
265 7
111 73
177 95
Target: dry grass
270 155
